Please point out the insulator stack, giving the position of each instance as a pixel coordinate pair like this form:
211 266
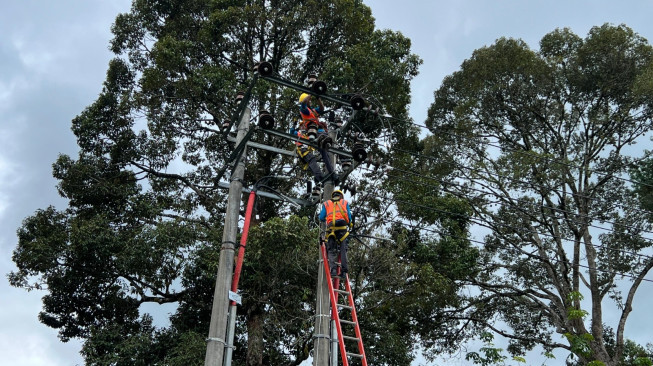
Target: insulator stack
239 97
265 120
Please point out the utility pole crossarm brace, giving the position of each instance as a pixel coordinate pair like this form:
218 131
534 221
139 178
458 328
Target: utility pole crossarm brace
275 196
307 90
307 142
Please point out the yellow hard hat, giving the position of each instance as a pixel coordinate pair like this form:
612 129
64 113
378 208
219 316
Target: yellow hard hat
337 192
303 97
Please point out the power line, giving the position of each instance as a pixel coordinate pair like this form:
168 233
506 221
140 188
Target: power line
523 152
532 184
470 218
529 183
421 228
457 194
339 100
523 182
336 98
517 230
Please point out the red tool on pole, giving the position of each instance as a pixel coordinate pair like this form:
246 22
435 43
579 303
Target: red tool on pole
231 327
243 241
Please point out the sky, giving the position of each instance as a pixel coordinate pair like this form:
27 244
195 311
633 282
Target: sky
53 60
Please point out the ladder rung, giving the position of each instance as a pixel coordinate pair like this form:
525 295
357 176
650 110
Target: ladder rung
347 322
344 292
350 338
344 306
354 355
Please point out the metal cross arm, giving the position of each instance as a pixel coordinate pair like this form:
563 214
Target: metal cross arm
297 201
265 147
307 90
308 142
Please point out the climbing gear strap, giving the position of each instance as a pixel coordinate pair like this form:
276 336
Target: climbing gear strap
337 207
332 232
303 154
342 210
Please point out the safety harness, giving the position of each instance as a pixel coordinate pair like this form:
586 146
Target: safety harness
331 230
299 145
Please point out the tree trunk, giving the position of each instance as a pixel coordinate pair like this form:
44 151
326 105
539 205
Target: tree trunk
255 338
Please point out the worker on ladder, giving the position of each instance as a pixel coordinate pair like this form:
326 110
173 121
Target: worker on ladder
337 215
311 128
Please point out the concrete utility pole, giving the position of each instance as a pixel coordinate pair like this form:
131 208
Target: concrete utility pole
322 313
219 311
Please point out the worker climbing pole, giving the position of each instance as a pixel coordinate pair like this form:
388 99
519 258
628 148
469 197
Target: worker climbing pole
337 217
311 136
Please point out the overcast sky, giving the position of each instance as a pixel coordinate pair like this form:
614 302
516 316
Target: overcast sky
53 59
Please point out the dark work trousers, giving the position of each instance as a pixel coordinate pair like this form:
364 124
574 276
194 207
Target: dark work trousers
334 247
325 157
311 160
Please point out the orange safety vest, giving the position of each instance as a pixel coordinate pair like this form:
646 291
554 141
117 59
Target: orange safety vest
336 211
311 117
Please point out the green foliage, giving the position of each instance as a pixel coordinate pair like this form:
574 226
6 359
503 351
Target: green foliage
278 286
519 359
580 344
642 174
575 296
519 136
489 355
410 281
577 314
144 219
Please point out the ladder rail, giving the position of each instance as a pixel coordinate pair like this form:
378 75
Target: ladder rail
334 307
354 318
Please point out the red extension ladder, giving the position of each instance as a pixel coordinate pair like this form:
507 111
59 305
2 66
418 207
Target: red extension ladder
335 294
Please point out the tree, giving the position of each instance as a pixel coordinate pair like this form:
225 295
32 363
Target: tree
145 213
642 174
539 144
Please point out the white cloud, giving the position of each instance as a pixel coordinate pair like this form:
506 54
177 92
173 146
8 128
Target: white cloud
35 56
23 340
8 170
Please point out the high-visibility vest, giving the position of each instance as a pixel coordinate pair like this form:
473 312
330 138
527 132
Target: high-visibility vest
336 211
311 117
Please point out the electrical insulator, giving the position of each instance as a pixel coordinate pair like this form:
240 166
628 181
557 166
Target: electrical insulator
311 79
311 131
264 68
239 97
315 193
319 87
358 152
226 124
357 102
265 120
346 164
